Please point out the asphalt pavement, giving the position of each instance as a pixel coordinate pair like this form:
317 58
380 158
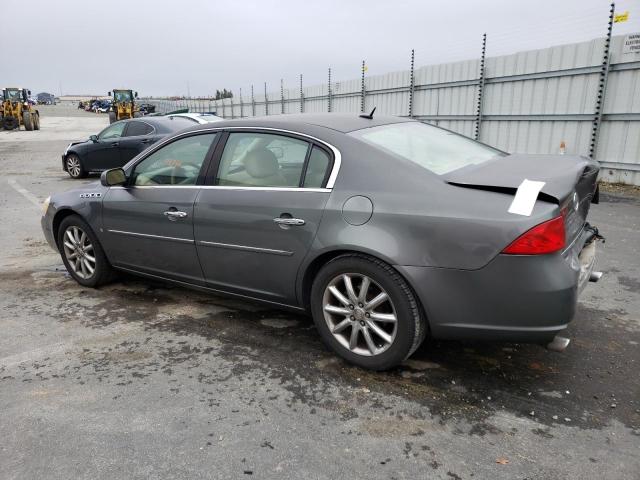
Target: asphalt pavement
144 380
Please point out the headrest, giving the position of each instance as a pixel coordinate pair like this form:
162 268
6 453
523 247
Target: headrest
261 163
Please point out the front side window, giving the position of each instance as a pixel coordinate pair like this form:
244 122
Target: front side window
435 149
262 160
112 131
178 163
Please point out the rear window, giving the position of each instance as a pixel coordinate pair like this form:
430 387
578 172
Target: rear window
435 149
178 123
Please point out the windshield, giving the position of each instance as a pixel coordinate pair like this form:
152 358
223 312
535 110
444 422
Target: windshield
122 96
435 149
12 94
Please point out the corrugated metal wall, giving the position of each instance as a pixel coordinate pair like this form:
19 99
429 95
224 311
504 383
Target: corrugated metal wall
532 101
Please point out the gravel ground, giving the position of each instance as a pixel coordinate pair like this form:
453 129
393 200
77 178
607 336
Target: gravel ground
143 380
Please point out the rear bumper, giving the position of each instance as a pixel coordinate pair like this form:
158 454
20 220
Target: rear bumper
514 298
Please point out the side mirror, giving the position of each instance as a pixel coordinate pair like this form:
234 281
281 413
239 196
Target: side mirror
115 176
136 94
108 94
94 138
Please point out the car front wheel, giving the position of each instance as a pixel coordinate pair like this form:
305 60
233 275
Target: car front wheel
366 312
74 166
82 253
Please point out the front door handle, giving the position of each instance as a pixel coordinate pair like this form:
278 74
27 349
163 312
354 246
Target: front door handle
289 221
115 144
146 140
173 215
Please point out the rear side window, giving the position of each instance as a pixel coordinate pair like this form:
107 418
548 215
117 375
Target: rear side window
262 160
136 129
317 168
435 149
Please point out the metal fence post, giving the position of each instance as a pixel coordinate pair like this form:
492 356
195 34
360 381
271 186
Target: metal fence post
241 105
281 95
301 96
266 100
233 115
480 88
602 86
329 93
253 103
363 92
412 85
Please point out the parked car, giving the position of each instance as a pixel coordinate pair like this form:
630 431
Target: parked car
200 118
146 108
385 229
117 144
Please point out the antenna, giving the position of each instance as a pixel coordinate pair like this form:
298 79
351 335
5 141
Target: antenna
370 116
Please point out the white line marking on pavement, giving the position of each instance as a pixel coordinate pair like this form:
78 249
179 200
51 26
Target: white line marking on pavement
25 193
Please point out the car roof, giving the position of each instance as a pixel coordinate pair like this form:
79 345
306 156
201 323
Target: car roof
163 123
341 122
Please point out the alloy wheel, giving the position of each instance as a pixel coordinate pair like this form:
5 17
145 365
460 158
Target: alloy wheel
365 322
73 166
78 251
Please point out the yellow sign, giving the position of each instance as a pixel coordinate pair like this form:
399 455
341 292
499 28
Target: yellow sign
621 17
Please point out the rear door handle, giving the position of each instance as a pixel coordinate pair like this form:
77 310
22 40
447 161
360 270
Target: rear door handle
146 140
289 221
115 144
173 215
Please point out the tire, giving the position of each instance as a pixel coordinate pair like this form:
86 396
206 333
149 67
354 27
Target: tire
10 123
400 338
102 273
27 120
36 122
112 117
74 166
137 114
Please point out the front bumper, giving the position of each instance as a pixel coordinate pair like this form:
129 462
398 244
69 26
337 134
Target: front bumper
518 298
46 222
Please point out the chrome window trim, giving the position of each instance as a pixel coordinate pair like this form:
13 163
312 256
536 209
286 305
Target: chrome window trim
230 187
337 157
246 248
147 235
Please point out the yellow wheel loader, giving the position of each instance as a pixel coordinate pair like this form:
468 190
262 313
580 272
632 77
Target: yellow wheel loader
123 105
16 110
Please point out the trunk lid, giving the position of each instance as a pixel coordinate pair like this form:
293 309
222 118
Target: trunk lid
570 181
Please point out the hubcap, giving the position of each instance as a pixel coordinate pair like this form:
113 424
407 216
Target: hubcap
73 166
365 322
78 251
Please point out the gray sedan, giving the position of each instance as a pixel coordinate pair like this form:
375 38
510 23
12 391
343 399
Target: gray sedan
385 229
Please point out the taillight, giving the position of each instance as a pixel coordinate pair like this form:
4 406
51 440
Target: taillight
548 237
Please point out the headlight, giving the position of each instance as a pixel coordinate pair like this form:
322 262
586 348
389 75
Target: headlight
45 205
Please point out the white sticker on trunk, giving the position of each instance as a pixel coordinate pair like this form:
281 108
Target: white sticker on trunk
526 197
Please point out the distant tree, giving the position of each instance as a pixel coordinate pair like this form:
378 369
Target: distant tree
223 94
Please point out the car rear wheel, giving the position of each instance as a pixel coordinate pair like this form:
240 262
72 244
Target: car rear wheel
82 253
366 312
74 166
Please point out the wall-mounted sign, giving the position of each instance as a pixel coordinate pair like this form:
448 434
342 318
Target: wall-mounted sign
631 43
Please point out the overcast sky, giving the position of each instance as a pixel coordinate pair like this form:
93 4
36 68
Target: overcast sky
162 47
